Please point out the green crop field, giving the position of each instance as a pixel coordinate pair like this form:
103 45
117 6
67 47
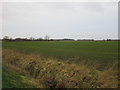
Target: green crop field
98 51
54 64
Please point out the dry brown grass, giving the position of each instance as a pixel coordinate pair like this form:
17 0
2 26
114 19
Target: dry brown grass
55 74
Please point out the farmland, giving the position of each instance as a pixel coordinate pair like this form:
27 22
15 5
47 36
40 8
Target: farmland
60 64
98 51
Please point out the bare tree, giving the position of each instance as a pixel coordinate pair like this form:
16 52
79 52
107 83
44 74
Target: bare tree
46 37
31 38
5 37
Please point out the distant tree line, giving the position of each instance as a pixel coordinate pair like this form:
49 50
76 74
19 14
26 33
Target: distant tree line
47 38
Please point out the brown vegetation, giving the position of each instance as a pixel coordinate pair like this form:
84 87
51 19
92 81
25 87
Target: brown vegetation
51 73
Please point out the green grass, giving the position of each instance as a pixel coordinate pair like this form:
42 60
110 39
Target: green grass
12 79
98 51
33 70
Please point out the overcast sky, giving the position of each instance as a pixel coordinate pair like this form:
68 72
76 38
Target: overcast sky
97 20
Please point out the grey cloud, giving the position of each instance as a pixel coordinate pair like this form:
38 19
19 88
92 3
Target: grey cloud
59 19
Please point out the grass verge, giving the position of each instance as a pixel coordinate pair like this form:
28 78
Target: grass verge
52 73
